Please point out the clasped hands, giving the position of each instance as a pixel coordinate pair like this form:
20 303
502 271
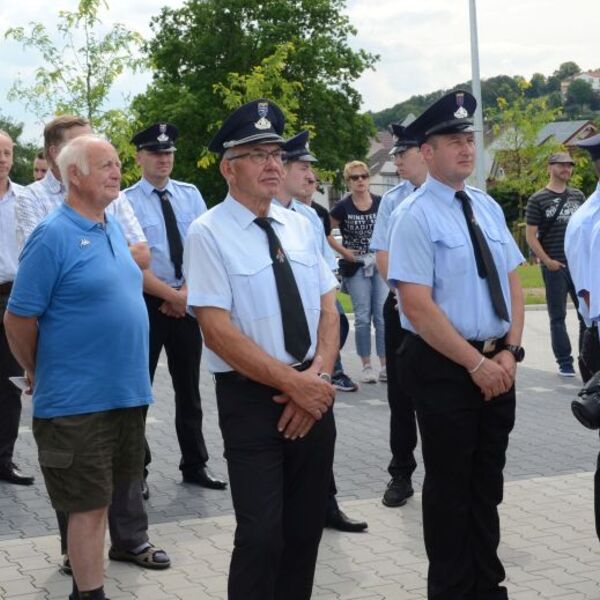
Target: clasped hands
496 375
307 402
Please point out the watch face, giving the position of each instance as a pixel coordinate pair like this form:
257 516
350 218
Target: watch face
517 351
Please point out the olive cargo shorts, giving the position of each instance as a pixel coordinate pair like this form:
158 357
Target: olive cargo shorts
83 456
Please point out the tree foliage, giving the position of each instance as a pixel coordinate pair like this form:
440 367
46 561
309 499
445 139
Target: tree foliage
581 94
493 88
77 76
208 43
516 126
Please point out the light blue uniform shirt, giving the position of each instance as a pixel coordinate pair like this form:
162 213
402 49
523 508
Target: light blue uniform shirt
315 221
593 273
187 205
227 265
389 202
430 245
578 247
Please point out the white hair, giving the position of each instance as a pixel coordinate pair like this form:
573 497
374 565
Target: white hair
75 153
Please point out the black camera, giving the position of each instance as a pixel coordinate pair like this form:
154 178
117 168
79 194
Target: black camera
586 407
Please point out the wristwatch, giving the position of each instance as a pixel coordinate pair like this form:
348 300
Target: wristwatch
517 351
325 377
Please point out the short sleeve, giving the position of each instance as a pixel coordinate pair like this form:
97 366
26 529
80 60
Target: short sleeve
411 253
593 276
533 212
380 230
338 212
39 269
128 221
204 270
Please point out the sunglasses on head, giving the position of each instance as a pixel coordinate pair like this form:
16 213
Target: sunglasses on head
361 176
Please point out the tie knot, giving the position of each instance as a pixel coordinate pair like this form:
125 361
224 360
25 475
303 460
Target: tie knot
162 194
263 222
462 196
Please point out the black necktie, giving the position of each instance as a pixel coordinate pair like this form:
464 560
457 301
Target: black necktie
173 236
486 268
296 336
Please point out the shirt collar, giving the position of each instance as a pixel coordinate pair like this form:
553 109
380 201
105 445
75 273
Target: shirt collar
10 192
148 188
244 217
440 190
81 221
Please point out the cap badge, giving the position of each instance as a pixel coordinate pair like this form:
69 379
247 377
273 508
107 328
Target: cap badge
263 111
461 113
163 137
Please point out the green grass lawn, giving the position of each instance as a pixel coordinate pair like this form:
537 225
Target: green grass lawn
531 280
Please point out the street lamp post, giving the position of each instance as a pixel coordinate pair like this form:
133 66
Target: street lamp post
476 84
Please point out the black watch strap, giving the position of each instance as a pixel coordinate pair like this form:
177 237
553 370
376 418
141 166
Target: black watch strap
517 351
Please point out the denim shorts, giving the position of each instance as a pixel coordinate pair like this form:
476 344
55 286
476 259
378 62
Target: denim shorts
83 456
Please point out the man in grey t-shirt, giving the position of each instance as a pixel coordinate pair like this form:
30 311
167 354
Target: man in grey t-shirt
548 213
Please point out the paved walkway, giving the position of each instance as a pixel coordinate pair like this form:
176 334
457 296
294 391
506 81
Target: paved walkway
549 546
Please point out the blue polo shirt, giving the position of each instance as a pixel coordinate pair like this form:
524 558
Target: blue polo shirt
78 278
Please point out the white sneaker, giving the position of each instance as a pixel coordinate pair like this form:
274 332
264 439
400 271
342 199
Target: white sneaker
368 375
383 375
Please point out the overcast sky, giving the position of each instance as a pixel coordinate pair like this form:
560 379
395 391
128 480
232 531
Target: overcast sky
424 44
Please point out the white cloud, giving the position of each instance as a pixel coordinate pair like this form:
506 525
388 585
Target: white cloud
424 44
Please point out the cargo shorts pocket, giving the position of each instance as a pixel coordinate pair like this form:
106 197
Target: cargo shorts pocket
55 459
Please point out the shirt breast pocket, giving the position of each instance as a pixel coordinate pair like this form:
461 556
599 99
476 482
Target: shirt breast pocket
452 254
153 230
253 288
305 266
497 243
184 220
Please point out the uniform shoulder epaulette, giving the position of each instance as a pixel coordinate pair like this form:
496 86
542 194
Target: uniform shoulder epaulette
183 184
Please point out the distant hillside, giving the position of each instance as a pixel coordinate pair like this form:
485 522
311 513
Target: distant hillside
491 89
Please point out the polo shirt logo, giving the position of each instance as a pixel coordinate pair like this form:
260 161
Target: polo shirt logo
84 242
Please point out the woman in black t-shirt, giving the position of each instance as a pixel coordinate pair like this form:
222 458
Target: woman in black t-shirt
355 216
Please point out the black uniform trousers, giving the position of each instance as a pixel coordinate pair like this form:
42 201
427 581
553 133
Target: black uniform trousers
279 490
10 395
403 424
183 345
589 363
464 441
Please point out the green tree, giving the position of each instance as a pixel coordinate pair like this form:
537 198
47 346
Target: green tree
77 76
200 44
523 161
537 86
78 73
23 153
567 69
581 94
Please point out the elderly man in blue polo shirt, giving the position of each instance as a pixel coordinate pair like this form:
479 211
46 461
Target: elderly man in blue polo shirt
76 323
454 263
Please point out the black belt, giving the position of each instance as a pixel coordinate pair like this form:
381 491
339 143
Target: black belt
236 376
488 346
5 288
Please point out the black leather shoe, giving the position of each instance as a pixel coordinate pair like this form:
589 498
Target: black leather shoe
10 473
145 490
204 478
398 491
337 519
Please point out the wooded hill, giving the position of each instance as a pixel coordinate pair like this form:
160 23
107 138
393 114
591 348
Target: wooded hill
581 100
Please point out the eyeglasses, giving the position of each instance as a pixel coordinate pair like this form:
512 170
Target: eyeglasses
361 176
260 157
